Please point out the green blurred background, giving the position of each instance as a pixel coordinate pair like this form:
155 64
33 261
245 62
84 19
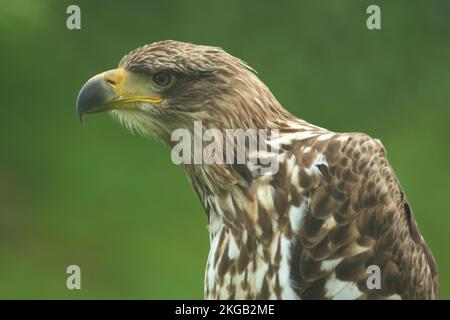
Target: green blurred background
115 205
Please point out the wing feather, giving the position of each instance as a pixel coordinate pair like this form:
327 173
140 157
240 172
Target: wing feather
357 216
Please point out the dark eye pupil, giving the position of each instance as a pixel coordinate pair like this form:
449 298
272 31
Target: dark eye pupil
162 78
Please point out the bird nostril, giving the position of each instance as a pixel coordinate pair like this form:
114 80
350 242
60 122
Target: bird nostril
111 82
114 77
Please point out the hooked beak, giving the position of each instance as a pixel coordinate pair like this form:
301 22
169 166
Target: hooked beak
113 89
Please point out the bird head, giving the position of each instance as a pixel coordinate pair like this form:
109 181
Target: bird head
168 85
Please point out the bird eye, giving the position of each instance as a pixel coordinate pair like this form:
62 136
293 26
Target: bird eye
162 79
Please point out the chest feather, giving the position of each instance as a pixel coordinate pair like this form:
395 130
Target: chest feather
251 244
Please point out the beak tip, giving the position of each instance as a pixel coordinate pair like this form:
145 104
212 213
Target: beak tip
94 96
79 112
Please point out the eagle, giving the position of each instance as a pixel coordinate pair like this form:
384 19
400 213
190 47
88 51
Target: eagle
333 222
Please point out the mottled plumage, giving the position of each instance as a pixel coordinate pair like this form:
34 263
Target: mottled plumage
308 231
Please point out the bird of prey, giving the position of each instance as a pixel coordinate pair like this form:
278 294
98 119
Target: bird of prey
314 229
